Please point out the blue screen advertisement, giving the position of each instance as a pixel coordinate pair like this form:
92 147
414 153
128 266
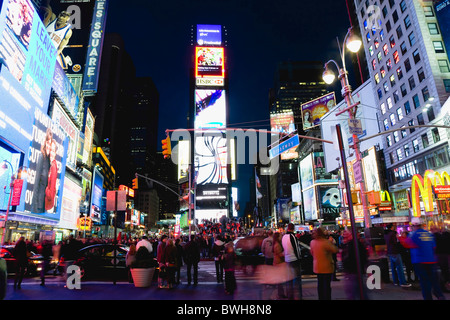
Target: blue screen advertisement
46 168
96 198
209 35
26 49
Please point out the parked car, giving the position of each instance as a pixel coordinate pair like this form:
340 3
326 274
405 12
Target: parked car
97 261
34 261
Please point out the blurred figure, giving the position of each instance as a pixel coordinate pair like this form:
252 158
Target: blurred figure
292 256
267 248
322 251
395 258
278 258
422 245
170 258
180 253
442 237
161 262
350 266
406 258
129 260
192 258
218 250
229 261
21 255
47 251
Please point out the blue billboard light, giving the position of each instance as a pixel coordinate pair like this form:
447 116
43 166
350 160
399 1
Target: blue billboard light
209 35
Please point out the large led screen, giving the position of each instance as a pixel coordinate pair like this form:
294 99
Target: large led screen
209 62
27 50
46 168
96 197
12 160
211 159
282 122
209 35
210 108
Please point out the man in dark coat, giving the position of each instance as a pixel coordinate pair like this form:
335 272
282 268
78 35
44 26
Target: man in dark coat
20 253
192 258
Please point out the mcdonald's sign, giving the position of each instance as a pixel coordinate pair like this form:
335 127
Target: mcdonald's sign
423 186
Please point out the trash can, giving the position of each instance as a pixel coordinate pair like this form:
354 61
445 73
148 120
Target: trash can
383 264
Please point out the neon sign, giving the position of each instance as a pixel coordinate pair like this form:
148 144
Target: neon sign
423 186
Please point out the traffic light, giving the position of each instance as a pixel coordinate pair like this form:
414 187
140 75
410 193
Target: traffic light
135 183
167 149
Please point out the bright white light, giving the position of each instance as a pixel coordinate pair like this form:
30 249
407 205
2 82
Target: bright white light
328 76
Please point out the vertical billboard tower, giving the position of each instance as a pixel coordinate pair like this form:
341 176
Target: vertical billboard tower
209 113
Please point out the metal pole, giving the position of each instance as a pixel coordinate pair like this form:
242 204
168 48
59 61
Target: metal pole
351 212
115 237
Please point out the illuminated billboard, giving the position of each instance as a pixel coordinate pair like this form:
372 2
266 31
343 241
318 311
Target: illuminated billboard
184 154
211 111
65 91
46 168
282 122
26 49
314 110
209 62
60 118
70 210
209 35
210 159
96 197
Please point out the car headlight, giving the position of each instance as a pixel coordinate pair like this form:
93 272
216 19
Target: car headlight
36 261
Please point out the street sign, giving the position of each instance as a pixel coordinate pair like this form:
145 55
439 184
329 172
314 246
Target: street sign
111 200
284 146
357 171
355 126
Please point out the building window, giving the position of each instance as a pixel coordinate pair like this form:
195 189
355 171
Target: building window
403 48
421 74
412 39
430 114
403 6
382 72
380 93
399 155
396 137
399 73
381 34
415 145
406 150
420 120
396 57
416 56
435 135
374 64
376 43
425 141
386 87
416 101
391 157
388 26
407 107
433 28
403 132
371 50
443 66
379 56
447 85
392 118
425 93
399 32
368 37
407 22
407 65
391 3
400 114
384 11
412 83
383 108
389 64
386 124
385 50
389 140
377 78
438 47
396 95
403 90
428 11
389 102
411 124
395 16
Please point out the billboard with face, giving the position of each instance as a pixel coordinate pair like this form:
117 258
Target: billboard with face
313 110
26 49
329 202
209 62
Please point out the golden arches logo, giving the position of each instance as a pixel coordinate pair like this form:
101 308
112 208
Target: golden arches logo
385 196
424 187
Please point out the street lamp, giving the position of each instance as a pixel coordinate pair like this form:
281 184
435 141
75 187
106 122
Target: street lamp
353 43
21 174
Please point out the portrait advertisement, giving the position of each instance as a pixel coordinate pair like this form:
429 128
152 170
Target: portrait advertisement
314 110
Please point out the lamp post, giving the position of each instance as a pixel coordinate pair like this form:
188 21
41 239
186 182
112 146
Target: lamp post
353 43
21 174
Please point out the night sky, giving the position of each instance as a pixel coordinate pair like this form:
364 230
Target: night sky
261 33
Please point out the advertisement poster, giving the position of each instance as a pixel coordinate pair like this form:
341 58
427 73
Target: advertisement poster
209 35
209 62
314 110
46 168
210 106
96 198
306 172
309 204
282 122
330 202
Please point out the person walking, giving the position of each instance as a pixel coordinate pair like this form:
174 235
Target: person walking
278 258
292 256
46 252
145 243
162 275
323 265
218 250
267 248
192 258
21 255
229 262
423 257
170 258
180 254
395 258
